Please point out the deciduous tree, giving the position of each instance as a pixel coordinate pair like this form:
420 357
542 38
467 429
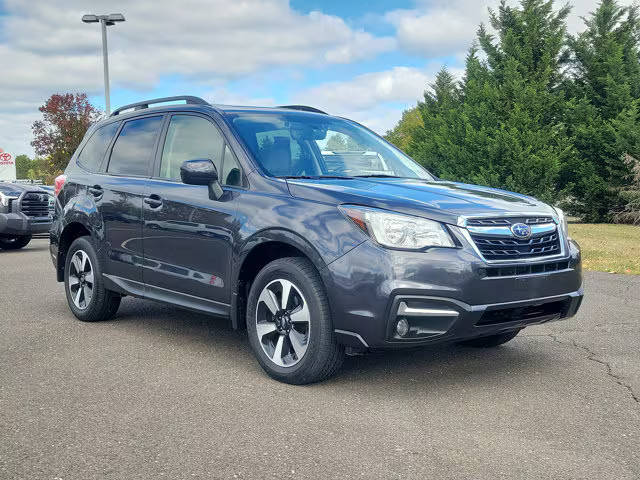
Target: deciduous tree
66 118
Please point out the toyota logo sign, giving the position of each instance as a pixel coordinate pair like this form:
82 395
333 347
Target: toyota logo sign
7 166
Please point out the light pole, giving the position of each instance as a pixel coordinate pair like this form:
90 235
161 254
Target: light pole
105 21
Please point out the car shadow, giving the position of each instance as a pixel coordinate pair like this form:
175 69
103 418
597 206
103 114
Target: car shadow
29 248
448 364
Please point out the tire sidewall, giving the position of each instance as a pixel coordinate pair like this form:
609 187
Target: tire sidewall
83 243
319 325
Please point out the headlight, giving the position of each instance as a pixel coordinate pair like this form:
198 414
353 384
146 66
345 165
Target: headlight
396 230
564 226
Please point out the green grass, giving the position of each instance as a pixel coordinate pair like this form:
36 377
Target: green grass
607 247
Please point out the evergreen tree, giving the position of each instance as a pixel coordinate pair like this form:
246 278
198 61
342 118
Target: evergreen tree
603 113
501 126
539 112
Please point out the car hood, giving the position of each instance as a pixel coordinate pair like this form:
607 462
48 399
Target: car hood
440 200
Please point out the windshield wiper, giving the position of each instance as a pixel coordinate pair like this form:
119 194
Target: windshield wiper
315 177
377 175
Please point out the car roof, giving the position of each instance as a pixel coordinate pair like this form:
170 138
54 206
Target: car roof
204 107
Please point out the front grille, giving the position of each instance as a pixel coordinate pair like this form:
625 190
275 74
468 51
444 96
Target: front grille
530 313
507 247
35 204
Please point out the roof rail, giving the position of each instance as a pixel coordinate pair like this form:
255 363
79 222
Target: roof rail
145 104
304 108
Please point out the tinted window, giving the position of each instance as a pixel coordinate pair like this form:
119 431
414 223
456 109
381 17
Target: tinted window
133 149
91 155
189 137
231 172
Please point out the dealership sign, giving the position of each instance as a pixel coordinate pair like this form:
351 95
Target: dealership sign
7 166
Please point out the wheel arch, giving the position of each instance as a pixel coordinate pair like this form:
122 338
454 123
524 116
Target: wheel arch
259 250
69 233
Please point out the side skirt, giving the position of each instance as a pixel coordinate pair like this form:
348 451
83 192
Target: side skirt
164 295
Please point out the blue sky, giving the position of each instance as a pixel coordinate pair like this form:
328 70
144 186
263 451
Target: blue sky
365 60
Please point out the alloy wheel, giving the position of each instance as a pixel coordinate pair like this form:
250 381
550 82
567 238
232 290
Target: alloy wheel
283 322
81 281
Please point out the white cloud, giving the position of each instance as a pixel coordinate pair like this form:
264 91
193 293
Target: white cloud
447 28
373 99
439 28
45 48
368 90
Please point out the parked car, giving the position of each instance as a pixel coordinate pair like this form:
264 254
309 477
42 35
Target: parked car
232 211
24 211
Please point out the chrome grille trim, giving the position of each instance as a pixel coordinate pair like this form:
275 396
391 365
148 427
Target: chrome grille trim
500 231
535 218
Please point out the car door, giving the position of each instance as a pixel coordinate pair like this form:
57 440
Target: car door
119 195
188 237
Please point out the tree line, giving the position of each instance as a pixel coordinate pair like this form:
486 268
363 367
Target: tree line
540 111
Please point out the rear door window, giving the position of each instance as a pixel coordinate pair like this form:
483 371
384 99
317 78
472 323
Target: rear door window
91 155
134 148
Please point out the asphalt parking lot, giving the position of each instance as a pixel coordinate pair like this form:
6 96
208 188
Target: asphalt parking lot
163 393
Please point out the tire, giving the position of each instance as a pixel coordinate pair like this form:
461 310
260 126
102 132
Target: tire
490 341
102 304
308 351
14 242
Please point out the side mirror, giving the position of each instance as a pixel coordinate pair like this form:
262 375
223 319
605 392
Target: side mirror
202 172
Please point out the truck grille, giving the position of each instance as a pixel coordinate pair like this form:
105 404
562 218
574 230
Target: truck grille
34 204
508 247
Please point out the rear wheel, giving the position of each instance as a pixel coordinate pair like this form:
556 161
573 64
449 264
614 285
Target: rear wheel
289 323
87 297
490 341
14 242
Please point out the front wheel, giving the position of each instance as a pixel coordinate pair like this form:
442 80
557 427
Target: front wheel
14 242
87 296
289 323
490 341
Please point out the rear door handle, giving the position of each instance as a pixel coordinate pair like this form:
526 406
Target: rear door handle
154 201
96 191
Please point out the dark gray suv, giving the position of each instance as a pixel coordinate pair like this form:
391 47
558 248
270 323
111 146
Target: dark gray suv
310 231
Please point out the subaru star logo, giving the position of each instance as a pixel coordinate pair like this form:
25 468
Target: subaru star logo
521 230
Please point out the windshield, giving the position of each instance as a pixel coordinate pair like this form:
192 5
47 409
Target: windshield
299 144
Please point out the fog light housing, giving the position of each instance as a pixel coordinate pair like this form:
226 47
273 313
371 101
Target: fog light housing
402 327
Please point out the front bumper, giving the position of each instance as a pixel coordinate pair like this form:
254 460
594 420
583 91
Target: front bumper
21 224
445 294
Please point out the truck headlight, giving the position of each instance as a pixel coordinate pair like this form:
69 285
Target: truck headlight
562 219
4 200
396 230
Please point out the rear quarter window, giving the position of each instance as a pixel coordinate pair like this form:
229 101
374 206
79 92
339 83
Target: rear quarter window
93 152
